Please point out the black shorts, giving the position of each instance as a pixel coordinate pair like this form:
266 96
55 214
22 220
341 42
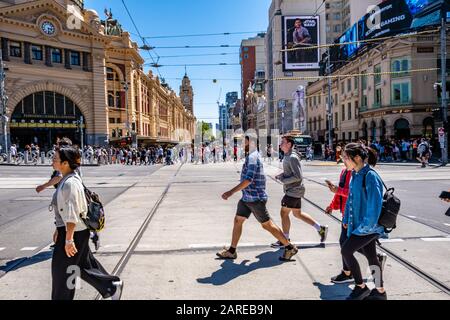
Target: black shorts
259 210
291 203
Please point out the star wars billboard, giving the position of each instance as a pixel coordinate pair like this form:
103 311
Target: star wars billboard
300 32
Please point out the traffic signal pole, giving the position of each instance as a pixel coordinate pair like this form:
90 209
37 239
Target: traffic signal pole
444 105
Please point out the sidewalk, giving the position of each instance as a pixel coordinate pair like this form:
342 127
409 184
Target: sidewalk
175 258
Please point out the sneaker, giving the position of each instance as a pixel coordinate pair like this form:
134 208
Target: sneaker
359 293
226 255
323 233
382 257
278 244
342 278
376 295
119 289
288 254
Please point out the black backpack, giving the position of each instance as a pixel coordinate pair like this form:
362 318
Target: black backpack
390 208
95 218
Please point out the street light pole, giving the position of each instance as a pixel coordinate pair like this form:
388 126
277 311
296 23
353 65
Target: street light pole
330 101
3 103
126 87
444 88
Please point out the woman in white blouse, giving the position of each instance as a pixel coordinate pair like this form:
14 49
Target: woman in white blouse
72 256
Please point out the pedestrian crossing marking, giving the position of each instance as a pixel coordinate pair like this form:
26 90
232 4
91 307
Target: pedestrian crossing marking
28 249
391 240
436 239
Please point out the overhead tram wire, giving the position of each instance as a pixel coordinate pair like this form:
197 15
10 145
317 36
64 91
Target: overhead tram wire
191 65
140 36
413 34
203 35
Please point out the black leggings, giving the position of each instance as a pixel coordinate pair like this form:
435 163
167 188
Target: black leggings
367 246
90 269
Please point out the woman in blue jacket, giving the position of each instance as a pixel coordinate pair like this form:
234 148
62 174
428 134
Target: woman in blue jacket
362 213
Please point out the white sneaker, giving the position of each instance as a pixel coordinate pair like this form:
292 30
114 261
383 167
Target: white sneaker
118 294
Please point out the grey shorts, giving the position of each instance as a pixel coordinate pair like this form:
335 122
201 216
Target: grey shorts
259 210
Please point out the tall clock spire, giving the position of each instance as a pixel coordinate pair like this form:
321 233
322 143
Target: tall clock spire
187 94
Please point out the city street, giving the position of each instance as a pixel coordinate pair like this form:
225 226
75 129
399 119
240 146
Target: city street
165 224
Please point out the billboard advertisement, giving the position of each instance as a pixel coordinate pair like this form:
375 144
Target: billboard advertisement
301 32
388 19
399 16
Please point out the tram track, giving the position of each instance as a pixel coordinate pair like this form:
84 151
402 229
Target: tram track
405 263
120 266
18 262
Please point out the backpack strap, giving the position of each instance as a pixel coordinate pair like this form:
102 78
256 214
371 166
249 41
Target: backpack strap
364 179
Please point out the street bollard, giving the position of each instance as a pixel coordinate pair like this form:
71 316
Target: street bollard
8 158
26 153
42 157
92 160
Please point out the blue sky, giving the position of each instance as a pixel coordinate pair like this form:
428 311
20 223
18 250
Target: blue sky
176 17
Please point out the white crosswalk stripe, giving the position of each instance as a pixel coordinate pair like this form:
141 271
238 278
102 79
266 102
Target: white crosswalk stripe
28 249
436 239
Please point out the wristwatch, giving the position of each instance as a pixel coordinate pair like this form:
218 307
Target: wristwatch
69 242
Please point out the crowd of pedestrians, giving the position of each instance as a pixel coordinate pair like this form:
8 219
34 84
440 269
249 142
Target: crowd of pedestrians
359 197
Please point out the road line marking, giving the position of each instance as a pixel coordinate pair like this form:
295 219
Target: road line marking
412 217
1 249
209 246
447 224
28 249
435 239
391 240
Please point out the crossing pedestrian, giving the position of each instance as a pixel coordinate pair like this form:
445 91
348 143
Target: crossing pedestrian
72 253
363 209
254 200
294 190
339 202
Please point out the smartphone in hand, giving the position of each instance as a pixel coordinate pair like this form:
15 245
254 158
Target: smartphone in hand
445 195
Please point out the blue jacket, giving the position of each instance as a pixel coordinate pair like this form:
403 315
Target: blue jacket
363 207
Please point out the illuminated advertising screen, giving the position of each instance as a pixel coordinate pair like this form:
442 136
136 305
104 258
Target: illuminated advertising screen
399 16
301 32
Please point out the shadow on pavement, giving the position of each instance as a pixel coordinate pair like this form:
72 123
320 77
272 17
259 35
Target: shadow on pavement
333 291
25 262
230 270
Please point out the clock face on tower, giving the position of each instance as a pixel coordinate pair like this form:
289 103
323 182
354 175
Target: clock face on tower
186 99
48 28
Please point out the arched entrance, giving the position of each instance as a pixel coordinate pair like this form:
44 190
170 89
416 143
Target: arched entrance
382 130
44 116
428 128
365 133
402 130
373 131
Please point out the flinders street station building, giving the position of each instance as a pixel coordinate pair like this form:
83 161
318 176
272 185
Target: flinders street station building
67 70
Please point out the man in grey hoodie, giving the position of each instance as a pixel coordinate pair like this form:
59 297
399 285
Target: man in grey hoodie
294 190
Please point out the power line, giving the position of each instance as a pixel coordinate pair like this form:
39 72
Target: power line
140 36
361 41
154 65
203 35
200 55
198 47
